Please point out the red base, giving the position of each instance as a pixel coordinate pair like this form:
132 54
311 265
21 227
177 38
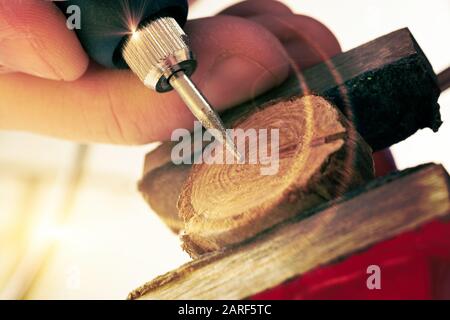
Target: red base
414 265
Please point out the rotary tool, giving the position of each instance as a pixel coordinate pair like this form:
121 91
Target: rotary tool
147 37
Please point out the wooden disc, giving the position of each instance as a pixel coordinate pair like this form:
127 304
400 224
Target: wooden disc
160 187
320 157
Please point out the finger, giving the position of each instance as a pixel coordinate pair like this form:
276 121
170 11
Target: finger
237 58
4 69
257 7
34 39
306 40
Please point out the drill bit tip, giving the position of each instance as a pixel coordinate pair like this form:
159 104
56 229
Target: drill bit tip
202 110
232 147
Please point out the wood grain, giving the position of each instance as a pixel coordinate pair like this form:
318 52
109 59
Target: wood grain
444 79
320 158
386 88
384 208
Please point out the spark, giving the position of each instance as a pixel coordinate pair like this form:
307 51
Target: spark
135 35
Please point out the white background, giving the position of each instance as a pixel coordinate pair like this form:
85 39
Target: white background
112 243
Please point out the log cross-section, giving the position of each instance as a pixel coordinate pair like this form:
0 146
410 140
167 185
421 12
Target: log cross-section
318 158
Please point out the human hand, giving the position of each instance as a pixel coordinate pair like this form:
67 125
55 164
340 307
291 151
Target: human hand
48 85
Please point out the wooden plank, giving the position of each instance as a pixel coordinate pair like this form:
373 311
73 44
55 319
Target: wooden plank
387 87
444 79
384 208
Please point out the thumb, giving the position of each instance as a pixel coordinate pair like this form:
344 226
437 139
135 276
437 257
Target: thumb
34 39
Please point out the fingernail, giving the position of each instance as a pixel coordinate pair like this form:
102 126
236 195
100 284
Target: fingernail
235 79
22 55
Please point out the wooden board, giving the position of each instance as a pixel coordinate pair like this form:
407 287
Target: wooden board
384 208
444 79
386 87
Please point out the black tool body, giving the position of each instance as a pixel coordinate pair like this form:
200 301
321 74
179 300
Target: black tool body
105 24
